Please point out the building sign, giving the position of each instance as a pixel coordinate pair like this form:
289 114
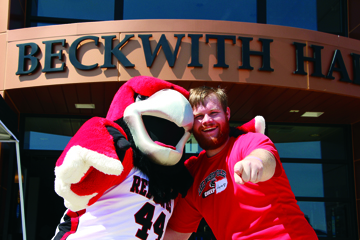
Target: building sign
29 62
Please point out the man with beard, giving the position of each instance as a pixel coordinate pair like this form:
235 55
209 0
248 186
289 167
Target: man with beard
240 187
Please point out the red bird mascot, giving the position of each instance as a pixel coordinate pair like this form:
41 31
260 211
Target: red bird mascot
119 175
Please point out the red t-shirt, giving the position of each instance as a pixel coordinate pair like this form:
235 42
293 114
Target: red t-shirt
265 210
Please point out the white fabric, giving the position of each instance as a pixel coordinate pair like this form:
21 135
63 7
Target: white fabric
112 216
167 104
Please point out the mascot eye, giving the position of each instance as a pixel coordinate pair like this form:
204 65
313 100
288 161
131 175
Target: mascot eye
140 98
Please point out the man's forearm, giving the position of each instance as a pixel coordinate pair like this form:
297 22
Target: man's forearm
268 161
173 235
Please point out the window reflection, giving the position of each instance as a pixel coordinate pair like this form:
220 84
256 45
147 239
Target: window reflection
49 133
79 9
299 149
327 218
295 13
317 180
242 11
310 142
319 15
306 180
315 214
45 141
330 16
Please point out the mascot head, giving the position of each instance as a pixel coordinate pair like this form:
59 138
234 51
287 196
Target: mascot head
158 116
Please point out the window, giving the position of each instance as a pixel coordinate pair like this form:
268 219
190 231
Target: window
332 16
50 12
45 12
328 16
228 10
312 156
49 133
295 13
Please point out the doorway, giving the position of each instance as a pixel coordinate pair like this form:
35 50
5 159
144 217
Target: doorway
43 207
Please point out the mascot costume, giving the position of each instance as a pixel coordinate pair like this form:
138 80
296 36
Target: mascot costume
119 175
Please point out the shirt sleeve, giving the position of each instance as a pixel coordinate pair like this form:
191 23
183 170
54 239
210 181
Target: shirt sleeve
247 143
185 218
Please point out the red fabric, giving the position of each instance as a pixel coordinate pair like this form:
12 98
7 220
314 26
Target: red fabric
266 210
249 126
93 180
142 85
74 218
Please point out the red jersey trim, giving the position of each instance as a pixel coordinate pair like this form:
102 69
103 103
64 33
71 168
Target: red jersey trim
69 225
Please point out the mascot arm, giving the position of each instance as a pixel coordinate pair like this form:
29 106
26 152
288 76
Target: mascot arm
90 164
256 125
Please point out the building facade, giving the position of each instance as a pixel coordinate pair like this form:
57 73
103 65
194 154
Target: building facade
297 63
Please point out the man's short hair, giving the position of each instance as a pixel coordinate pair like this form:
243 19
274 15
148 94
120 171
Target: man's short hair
199 94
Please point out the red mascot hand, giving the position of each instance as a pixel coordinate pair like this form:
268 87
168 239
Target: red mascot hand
90 165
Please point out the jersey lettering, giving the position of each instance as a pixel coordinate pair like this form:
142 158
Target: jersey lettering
136 183
144 184
140 186
144 217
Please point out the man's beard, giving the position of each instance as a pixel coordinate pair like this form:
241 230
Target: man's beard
211 143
